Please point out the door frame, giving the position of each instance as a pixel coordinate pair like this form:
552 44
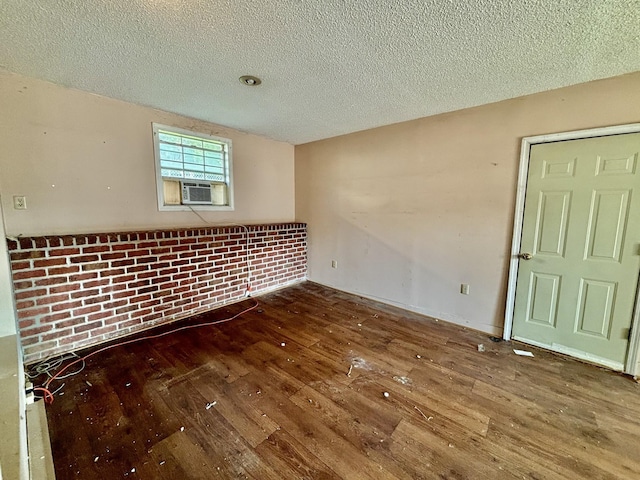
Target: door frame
527 143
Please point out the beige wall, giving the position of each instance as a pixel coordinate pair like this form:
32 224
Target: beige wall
410 211
98 152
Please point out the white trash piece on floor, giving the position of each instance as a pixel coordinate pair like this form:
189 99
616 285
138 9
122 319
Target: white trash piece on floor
522 353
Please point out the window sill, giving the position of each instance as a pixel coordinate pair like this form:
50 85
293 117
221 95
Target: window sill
190 208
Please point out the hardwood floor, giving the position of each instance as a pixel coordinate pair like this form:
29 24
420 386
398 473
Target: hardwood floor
268 396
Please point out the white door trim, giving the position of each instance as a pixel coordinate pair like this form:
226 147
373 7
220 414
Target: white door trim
527 142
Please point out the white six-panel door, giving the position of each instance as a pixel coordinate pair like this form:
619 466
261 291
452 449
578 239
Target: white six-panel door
580 248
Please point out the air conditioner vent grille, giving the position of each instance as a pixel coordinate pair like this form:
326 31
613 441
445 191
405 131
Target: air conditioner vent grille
196 193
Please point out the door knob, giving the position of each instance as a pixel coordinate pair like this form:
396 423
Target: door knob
525 256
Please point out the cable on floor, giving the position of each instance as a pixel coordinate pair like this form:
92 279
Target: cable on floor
49 396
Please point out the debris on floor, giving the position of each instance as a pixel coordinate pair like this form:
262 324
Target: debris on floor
385 394
282 344
210 404
481 347
422 413
522 353
349 372
403 380
495 339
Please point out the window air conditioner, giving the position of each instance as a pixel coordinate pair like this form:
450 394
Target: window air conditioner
196 193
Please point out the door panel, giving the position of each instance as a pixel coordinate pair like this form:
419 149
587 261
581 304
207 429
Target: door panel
582 227
607 220
543 299
553 216
595 307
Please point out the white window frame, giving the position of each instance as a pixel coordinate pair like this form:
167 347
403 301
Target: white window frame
160 179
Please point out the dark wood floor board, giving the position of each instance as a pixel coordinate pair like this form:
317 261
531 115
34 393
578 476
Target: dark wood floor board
177 457
562 390
343 457
284 454
294 389
395 328
365 436
378 416
573 436
269 379
434 376
361 359
368 439
228 454
451 417
304 364
494 364
343 334
251 423
513 414
563 459
442 456
294 333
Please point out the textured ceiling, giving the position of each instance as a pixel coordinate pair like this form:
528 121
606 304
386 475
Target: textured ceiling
328 67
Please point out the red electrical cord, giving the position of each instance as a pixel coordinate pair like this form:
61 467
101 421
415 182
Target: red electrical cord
48 396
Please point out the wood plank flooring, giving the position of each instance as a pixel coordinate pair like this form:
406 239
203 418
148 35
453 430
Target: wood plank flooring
267 396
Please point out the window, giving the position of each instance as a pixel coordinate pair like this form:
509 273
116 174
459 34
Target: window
193 170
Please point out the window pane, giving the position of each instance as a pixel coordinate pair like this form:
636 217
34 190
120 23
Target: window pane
193 159
171 165
192 151
167 137
194 175
210 162
190 158
171 148
191 141
165 155
172 173
214 178
212 146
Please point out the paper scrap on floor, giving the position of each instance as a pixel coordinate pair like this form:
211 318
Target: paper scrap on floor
522 353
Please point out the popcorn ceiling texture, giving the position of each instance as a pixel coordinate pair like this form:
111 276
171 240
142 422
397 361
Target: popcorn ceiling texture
79 290
329 67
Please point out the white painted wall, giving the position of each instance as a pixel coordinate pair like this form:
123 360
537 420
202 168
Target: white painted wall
410 211
98 152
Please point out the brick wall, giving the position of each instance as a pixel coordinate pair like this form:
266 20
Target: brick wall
78 290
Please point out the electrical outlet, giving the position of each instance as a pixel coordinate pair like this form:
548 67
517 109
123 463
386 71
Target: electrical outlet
464 288
334 264
19 202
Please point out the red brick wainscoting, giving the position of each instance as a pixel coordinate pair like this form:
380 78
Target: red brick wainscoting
78 290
